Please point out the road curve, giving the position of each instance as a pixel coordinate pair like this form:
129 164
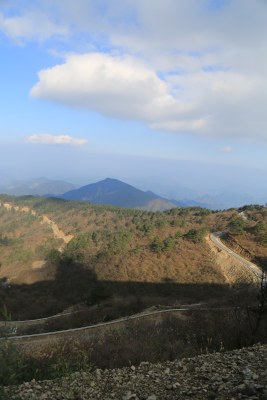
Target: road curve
89 328
215 238
32 322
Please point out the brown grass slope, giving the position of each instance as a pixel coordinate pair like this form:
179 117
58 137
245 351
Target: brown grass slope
113 251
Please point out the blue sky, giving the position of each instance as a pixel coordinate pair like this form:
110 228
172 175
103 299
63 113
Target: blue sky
135 89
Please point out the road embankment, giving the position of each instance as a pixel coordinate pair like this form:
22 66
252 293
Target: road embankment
235 268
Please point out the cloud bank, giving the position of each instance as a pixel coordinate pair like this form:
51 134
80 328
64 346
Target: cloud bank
120 87
34 25
56 140
217 103
183 66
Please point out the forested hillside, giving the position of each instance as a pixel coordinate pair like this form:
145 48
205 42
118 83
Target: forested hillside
115 252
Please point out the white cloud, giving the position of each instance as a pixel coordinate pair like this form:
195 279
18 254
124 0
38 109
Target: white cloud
181 125
120 87
192 67
34 25
219 103
57 140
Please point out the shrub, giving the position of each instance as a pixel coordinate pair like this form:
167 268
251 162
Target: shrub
12 366
196 235
63 359
237 225
156 246
53 257
4 241
261 232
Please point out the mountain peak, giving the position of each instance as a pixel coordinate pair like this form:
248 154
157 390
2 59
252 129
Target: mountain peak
117 193
111 180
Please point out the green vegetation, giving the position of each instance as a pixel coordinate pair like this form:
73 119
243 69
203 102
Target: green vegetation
237 225
260 231
120 262
196 235
4 241
16 367
112 245
185 334
159 246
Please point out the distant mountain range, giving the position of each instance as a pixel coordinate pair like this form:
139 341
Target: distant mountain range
221 201
36 187
117 193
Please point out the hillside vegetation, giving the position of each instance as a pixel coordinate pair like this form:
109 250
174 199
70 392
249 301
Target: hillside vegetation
92 264
115 253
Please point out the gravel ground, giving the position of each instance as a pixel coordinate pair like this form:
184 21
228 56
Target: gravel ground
239 374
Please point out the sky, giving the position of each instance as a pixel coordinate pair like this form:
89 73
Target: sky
159 93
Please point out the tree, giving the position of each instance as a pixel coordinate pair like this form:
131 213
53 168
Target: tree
156 245
260 312
195 235
261 232
53 257
237 225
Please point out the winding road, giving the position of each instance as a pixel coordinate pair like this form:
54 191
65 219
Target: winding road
216 239
89 330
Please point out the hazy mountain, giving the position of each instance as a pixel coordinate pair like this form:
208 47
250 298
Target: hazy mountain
231 200
40 186
194 203
165 190
227 200
128 196
219 201
117 193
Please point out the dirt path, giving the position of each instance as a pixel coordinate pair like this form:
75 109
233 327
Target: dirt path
57 233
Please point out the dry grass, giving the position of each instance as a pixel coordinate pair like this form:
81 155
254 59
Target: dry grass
112 245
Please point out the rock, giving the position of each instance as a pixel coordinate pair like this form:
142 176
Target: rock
249 390
167 371
211 396
239 374
129 396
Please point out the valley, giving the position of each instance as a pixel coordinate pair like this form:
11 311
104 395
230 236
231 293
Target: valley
102 251
133 200
86 273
